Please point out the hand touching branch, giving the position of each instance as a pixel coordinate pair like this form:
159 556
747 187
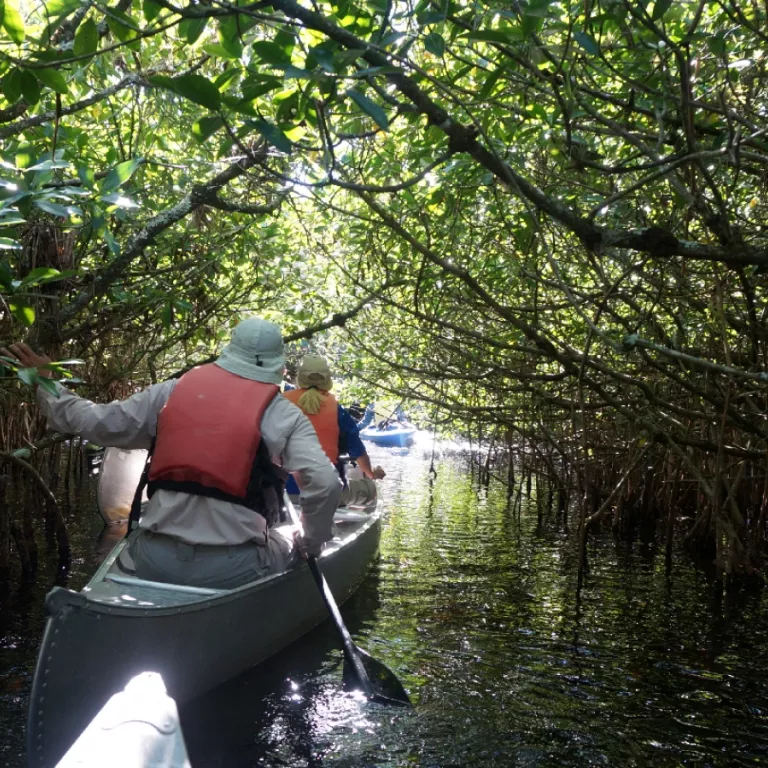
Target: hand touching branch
27 358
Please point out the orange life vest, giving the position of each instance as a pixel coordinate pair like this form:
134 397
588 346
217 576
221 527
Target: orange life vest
325 422
209 439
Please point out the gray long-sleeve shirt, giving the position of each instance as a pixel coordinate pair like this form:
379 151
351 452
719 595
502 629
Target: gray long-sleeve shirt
286 431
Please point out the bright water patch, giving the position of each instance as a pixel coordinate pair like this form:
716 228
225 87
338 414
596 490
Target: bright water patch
477 613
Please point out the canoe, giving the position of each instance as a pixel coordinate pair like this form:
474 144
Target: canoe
140 723
119 626
399 437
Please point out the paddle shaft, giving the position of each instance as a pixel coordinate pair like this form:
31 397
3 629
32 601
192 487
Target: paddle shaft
350 650
394 411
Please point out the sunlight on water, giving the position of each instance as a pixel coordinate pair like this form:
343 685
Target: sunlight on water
476 611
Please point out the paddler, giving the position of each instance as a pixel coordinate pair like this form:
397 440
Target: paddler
223 440
337 430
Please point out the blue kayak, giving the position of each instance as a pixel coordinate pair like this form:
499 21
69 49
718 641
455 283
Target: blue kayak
396 437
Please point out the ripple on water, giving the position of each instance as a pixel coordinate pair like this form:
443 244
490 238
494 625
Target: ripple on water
476 610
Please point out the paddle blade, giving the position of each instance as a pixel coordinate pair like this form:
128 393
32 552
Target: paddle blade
387 689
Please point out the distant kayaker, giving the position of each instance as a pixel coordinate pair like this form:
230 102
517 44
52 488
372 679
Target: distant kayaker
362 416
224 440
336 429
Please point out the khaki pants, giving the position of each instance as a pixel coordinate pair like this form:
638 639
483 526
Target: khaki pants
165 558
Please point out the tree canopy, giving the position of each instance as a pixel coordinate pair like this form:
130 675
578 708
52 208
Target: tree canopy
544 218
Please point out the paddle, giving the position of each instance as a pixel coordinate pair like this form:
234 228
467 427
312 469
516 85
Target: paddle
377 681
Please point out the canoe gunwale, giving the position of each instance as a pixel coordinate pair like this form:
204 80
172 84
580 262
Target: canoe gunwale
61 598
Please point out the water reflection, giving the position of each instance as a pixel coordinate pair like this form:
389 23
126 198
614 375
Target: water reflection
475 608
477 611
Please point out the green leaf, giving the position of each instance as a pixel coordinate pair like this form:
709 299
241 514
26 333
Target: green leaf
86 38
162 81
120 201
13 24
226 77
119 175
56 8
215 49
71 361
12 86
53 79
195 88
296 73
490 81
17 197
52 57
271 53
22 311
205 127
30 87
490 36
6 276
151 10
121 25
370 108
198 89
24 157
191 29
167 314
660 7
48 165
48 385
273 135
538 8
38 275
587 42
112 244
28 375
7 244
229 36
57 210
435 44
11 219
87 176
254 88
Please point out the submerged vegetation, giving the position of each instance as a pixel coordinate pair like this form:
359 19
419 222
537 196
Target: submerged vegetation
545 221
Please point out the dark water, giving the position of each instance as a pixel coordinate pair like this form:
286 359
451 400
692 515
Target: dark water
478 614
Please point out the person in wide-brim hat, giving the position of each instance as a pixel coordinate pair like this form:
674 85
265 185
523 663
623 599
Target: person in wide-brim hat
213 429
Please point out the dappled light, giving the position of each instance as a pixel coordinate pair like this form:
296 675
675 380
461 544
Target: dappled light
529 238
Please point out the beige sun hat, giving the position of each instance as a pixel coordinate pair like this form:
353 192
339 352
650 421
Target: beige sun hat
255 351
314 372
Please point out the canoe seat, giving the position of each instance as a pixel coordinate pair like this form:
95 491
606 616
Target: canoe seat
132 581
349 516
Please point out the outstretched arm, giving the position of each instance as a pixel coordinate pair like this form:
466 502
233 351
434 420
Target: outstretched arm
130 423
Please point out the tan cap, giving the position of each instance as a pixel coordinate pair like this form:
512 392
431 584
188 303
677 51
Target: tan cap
314 372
